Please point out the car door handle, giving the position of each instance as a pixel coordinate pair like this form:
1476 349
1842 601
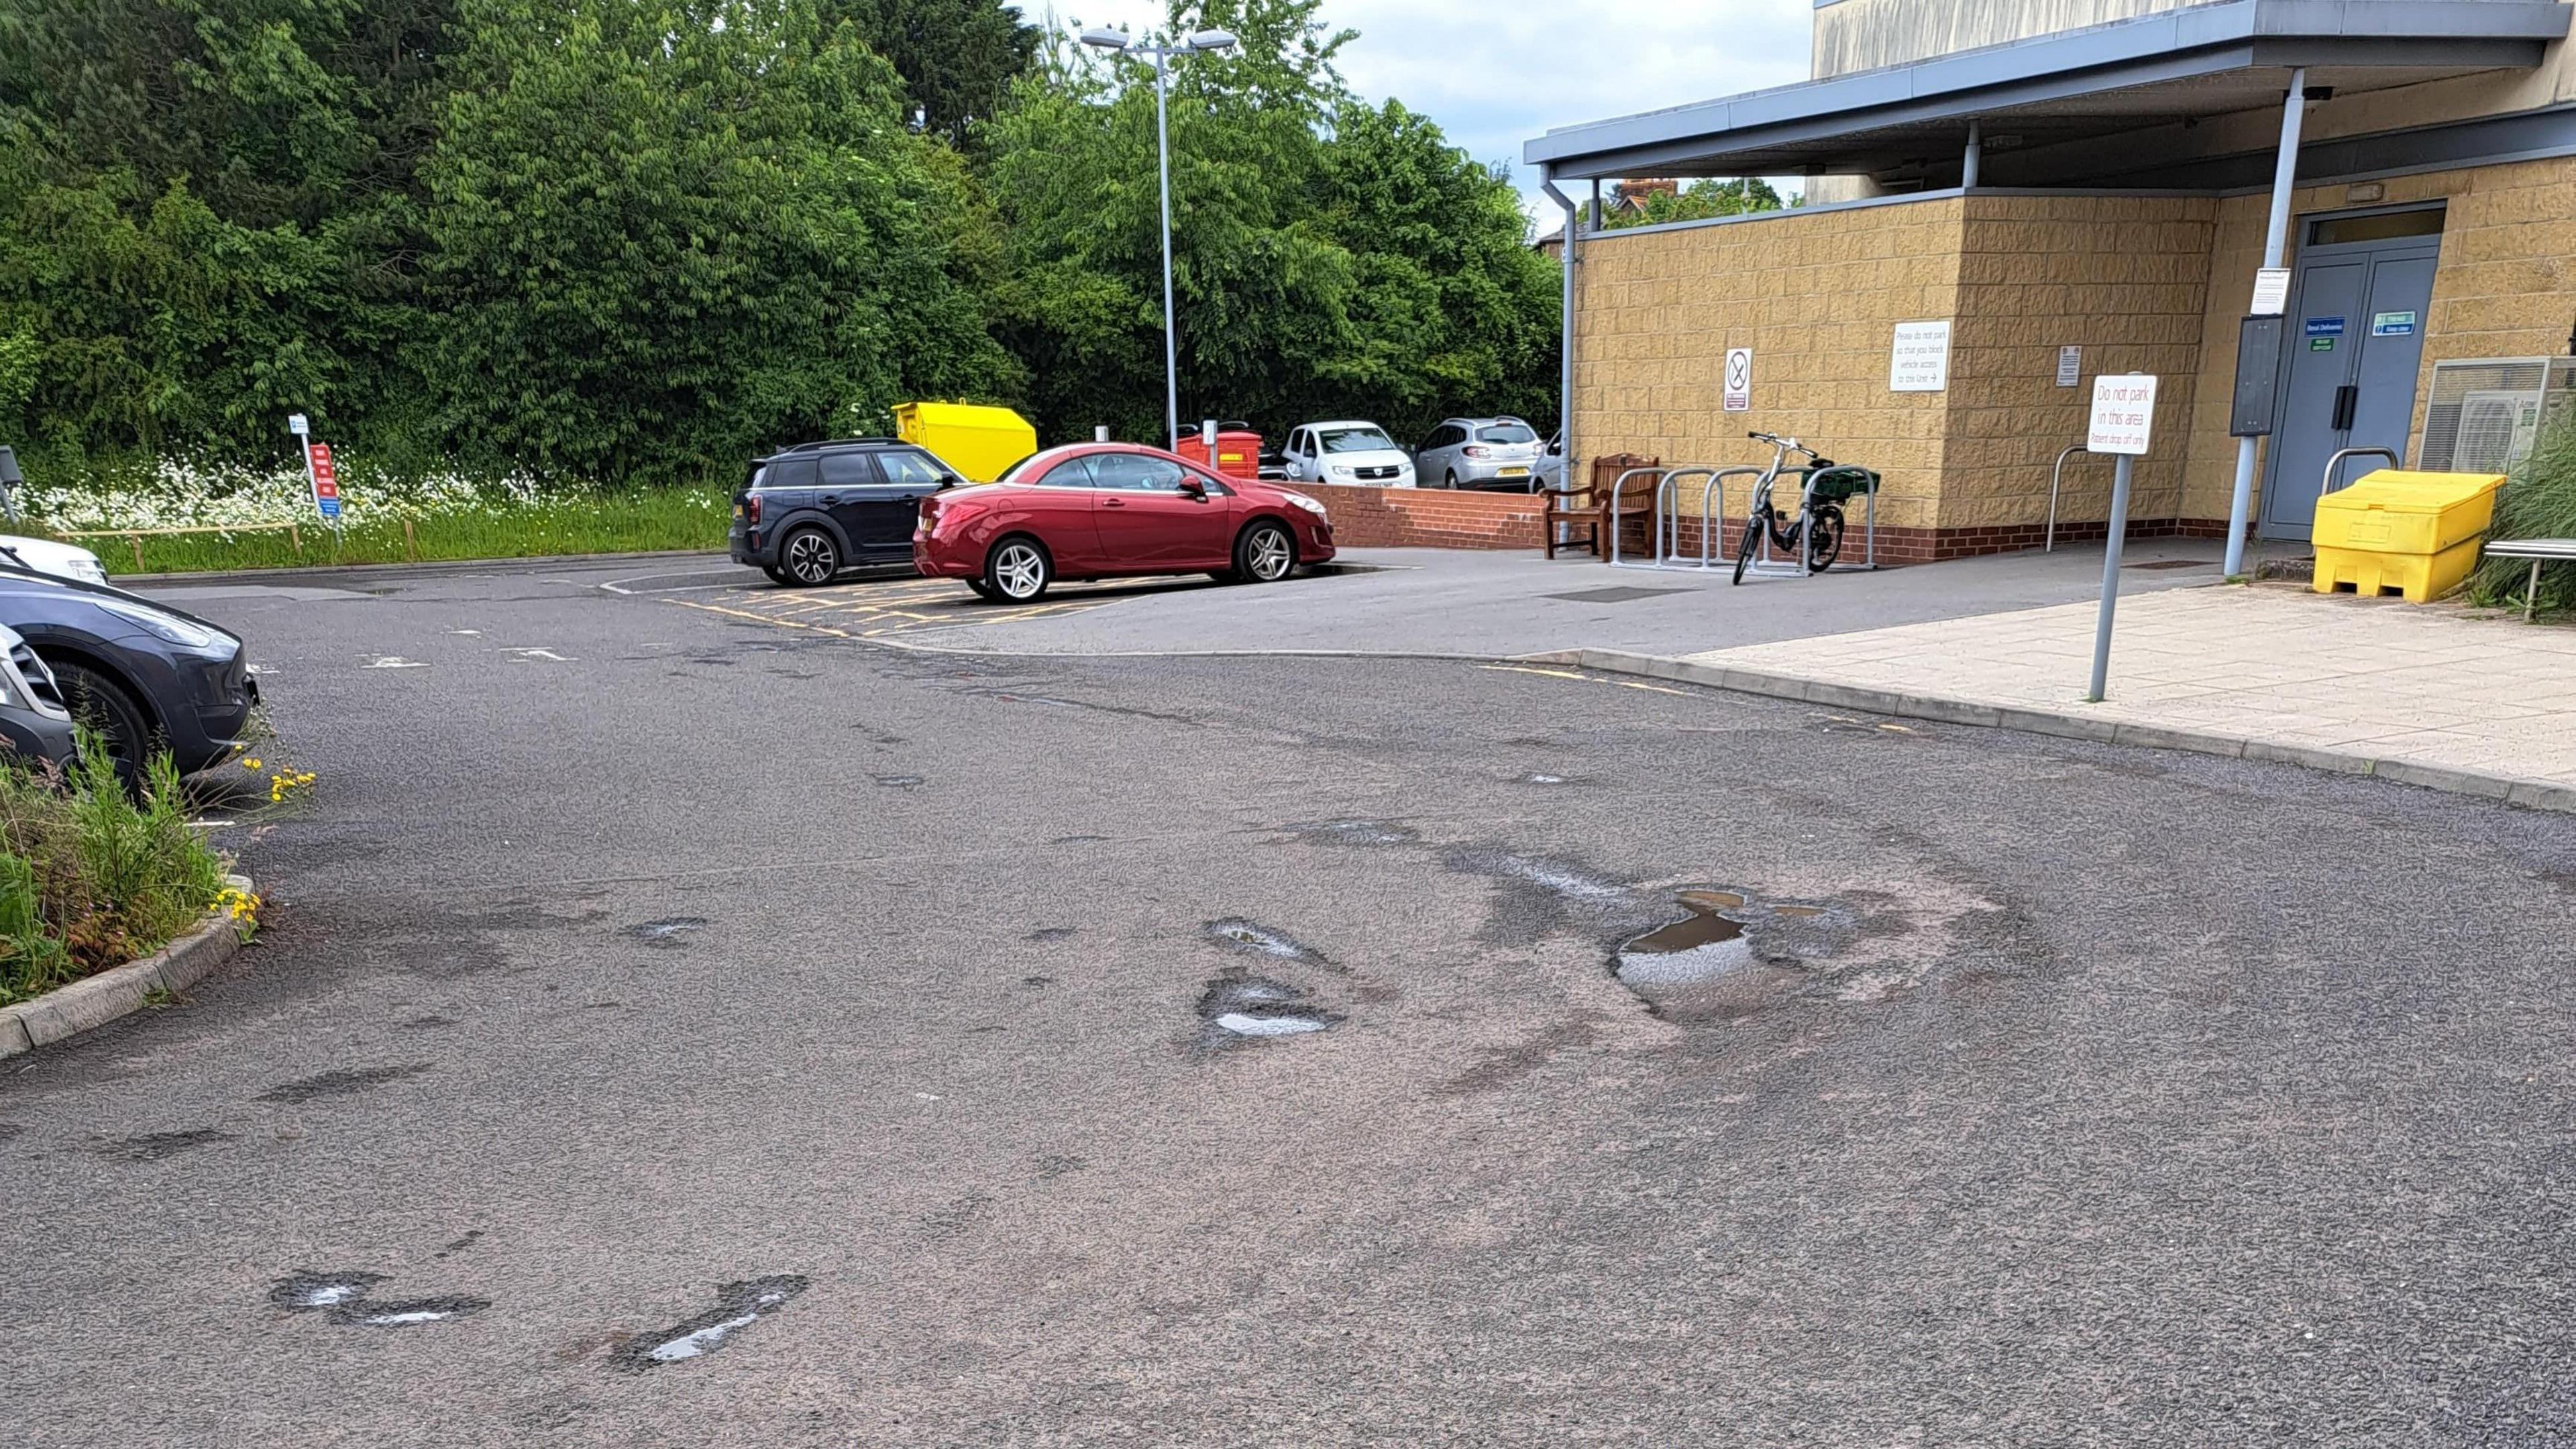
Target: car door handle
2347 400
1113 503
831 498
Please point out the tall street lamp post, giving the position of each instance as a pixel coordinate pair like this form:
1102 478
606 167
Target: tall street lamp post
1204 40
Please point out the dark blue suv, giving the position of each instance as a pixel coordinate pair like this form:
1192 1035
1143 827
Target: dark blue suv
815 509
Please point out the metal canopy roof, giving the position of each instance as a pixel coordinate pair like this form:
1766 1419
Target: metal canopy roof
2178 66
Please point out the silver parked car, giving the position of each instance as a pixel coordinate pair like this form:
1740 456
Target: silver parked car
1498 454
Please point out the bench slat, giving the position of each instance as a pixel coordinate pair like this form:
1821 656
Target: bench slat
2539 548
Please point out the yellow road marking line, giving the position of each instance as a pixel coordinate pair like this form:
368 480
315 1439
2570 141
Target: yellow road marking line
1525 669
760 618
1656 688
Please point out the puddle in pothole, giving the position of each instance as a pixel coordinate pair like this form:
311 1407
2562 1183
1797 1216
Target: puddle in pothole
667 931
347 1299
1239 1008
1732 954
1253 938
1352 832
738 1306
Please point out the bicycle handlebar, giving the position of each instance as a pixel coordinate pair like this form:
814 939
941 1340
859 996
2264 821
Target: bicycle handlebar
1790 444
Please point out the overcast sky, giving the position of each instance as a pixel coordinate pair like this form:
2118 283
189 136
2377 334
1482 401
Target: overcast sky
1496 75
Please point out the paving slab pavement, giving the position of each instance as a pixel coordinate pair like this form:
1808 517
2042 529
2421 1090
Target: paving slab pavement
2345 683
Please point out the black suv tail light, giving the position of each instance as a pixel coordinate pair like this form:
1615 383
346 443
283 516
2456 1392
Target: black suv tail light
751 508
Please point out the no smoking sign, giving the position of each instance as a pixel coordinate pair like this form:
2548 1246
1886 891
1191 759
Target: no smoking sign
1739 379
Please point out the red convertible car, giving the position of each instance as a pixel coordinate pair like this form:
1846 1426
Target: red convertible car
1107 510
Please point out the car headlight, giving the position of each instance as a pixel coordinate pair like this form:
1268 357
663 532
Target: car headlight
1304 502
1341 470
169 627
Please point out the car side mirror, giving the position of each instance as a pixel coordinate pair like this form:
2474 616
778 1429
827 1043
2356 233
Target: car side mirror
1193 488
948 481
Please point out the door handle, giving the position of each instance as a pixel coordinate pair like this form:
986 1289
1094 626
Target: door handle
1113 503
831 498
2347 398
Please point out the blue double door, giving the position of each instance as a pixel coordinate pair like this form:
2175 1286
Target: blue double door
2355 343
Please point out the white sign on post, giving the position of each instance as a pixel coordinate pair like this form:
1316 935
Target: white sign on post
295 424
2070 366
2124 414
1921 359
1739 379
2271 291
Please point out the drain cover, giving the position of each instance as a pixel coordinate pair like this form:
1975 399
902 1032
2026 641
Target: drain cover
1619 595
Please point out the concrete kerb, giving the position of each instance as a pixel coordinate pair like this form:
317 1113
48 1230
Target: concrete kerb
2068 724
97 1000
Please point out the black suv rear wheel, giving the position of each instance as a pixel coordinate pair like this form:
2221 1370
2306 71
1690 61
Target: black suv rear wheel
808 557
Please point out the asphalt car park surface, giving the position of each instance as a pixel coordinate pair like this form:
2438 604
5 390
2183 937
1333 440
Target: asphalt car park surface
682 1027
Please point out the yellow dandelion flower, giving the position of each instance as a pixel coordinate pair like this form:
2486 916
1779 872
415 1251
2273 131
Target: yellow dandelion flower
250 764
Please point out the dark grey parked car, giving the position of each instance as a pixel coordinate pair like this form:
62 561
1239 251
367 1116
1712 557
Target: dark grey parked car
34 724
807 513
144 675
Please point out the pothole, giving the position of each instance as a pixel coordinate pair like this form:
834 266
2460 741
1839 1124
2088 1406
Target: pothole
1732 954
347 1299
667 931
1239 1008
1255 939
1352 832
738 1306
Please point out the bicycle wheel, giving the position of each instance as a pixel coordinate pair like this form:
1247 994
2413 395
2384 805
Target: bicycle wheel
1744 550
1824 537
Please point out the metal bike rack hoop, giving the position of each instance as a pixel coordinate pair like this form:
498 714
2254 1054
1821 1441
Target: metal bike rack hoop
2056 476
1618 485
1668 518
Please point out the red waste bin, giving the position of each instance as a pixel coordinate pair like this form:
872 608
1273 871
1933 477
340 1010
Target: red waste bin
1238 453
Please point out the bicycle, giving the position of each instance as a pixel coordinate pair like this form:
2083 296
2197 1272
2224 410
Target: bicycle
1819 524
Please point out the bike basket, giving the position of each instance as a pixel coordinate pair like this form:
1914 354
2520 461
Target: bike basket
1837 485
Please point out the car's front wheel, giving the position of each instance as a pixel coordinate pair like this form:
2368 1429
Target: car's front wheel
1018 570
99 702
1265 554
808 557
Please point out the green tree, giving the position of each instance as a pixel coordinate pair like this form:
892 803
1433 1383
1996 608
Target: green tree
1699 201
1329 257
665 237
957 57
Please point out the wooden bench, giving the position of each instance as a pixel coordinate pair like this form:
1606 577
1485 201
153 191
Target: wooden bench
2539 551
1590 508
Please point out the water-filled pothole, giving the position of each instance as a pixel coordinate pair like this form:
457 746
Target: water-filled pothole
347 1298
1731 955
738 1306
667 931
1238 1008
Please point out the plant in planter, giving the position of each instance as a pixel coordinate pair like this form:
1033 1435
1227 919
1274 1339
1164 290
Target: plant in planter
2540 502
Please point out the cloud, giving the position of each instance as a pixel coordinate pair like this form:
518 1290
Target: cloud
1496 76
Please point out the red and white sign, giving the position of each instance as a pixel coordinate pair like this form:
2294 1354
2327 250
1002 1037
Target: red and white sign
2124 414
326 483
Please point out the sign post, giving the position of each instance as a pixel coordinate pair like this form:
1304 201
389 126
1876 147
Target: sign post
2124 415
319 473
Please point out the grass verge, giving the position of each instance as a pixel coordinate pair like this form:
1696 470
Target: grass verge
91 876
641 521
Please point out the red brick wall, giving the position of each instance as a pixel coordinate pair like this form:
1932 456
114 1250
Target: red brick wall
1430 517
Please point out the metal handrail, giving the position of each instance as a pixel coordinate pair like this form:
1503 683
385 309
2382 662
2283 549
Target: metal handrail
1612 519
2327 485
2056 476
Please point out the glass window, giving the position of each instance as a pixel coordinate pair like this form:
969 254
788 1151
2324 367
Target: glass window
906 468
1071 473
848 470
2384 226
792 472
1355 440
1506 433
1135 473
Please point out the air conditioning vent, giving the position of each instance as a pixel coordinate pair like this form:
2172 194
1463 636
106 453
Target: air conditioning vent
2485 412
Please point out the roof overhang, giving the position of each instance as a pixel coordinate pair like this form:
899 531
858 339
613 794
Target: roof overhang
2179 66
